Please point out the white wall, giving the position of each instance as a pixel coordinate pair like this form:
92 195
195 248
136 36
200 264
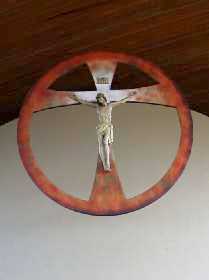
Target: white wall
167 240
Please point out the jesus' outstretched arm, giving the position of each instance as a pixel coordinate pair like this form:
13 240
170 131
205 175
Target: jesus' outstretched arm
82 101
123 100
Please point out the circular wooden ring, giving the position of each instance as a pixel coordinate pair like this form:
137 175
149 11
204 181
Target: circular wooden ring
36 97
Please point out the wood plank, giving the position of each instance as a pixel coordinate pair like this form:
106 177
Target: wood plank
38 34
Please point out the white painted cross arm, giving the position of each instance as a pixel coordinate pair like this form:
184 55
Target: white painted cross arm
153 94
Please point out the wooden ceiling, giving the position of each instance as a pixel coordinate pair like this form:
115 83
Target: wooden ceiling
37 34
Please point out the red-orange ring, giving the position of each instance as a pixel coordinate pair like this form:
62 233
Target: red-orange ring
36 97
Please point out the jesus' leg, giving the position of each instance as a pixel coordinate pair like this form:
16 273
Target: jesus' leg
104 152
106 149
101 150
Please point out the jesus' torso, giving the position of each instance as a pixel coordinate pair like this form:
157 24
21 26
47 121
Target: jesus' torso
104 126
104 114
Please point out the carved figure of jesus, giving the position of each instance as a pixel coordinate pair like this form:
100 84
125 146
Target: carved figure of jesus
104 127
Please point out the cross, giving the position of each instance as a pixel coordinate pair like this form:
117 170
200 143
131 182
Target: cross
107 194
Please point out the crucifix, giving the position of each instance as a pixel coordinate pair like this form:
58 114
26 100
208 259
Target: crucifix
107 196
105 127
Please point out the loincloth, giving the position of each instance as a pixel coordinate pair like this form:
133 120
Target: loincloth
106 130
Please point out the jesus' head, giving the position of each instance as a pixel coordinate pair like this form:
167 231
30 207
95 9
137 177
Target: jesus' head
101 99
